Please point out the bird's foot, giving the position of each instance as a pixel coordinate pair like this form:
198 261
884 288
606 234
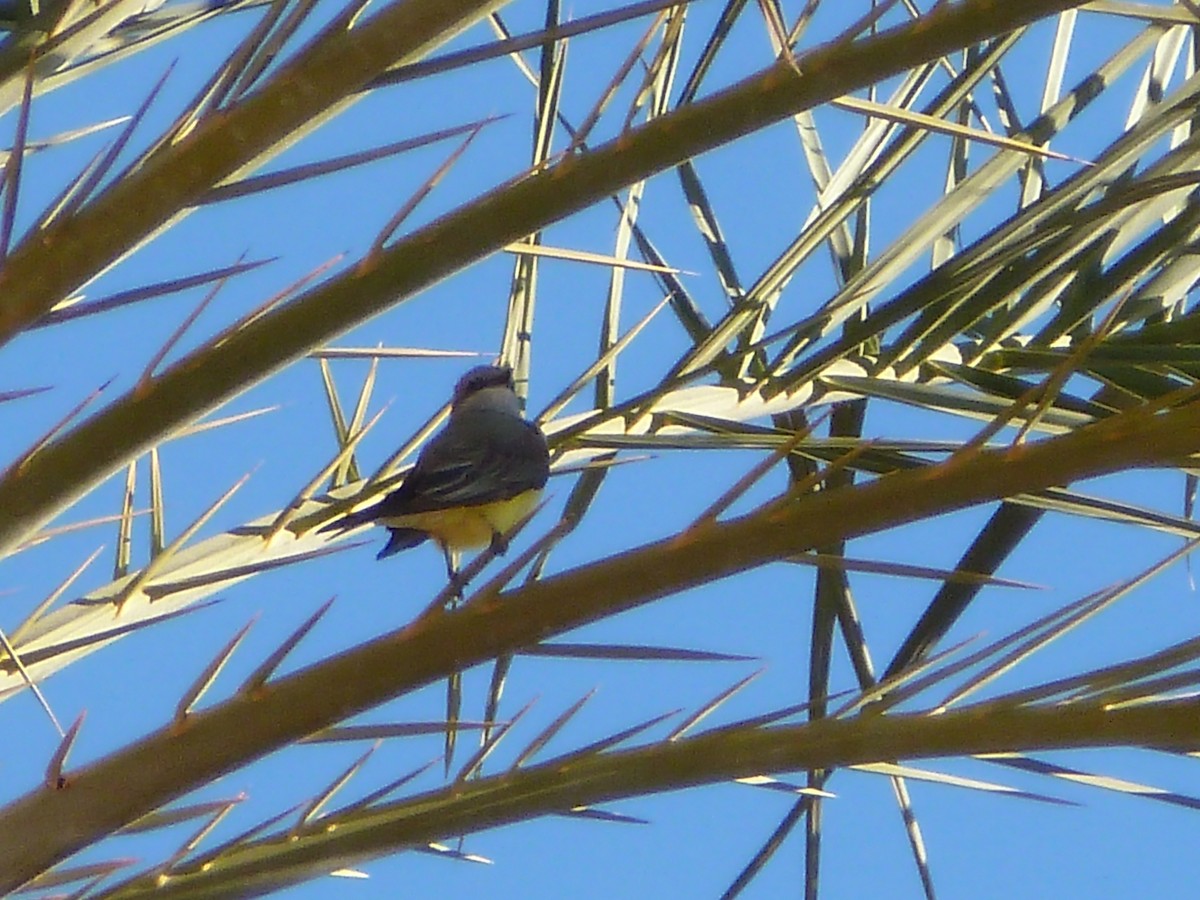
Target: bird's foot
499 544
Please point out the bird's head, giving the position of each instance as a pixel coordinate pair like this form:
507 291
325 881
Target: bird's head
480 379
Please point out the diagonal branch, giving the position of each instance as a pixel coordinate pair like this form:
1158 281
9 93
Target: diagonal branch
556 786
66 468
47 825
338 63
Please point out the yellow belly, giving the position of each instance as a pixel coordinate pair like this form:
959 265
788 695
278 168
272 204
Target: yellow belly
467 527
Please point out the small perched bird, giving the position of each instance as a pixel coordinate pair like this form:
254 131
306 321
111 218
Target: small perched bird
473 481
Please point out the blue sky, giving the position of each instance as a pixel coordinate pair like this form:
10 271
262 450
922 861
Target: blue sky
980 846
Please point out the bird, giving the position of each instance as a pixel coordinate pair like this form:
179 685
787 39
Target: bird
474 480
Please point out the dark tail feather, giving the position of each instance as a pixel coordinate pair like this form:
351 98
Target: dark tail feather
402 539
352 520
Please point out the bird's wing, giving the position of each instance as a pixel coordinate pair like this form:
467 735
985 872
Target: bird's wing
479 458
